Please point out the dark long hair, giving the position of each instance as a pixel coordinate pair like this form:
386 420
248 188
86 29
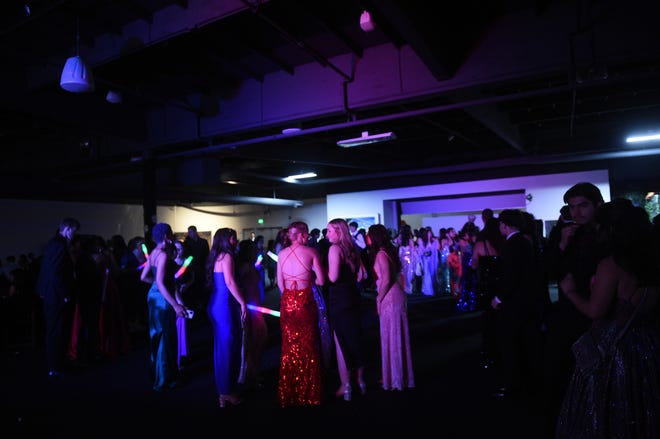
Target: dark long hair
491 233
628 235
380 240
221 244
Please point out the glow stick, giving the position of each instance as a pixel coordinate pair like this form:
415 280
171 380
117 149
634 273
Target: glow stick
183 268
259 259
146 256
261 309
272 255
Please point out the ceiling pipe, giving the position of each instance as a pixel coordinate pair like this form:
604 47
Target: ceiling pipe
493 164
228 214
253 200
323 61
378 119
395 116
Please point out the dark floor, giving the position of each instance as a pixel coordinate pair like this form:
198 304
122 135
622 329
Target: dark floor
452 397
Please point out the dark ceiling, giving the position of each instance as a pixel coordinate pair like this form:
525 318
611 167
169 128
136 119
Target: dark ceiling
485 89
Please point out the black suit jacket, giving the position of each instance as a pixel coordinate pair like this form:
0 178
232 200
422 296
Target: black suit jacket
519 289
56 278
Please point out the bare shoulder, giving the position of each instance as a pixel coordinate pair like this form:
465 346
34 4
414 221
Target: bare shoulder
608 264
311 251
382 257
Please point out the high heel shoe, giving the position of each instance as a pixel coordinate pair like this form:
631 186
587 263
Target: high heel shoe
225 400
363 387
345 391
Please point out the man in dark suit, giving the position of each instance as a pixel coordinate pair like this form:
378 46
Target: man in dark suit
517 300
56 285
198 248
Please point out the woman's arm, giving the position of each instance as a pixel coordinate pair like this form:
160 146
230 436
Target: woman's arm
382 270
317 267
145 275
334 261
478 251
603 290
280 276
361 272
161 262
228 269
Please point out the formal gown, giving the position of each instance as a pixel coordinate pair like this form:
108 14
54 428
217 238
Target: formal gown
114 338
467 301
443 275
301 371
396 357
256 330
407 256
428 255
162 339
182 322
225 316
621 398
344 315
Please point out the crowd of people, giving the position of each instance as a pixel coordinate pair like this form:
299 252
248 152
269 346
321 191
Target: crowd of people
602 257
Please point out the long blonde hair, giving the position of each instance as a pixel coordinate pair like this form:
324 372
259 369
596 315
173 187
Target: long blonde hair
349 250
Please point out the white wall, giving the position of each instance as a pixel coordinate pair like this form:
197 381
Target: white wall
29 224
546 193
244 217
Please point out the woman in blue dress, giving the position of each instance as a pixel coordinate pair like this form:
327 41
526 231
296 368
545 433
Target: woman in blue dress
227 310
163 310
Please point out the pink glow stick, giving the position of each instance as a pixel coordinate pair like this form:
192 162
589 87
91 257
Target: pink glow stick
261 309
183 268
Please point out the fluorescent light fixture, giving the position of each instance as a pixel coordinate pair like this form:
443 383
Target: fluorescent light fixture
294 178
637 139
366 139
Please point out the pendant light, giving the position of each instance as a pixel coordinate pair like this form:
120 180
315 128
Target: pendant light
76 76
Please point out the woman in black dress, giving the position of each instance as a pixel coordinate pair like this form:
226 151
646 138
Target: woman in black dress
345 270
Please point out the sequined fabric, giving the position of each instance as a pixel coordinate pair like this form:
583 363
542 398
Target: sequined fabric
300 382
407 258
324 327
621 399
396 357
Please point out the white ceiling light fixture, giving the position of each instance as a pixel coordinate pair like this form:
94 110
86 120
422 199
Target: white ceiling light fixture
295 178
366 23
647 138
366 139
76 76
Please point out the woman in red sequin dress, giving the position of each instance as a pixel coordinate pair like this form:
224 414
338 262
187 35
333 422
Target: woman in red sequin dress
301 370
